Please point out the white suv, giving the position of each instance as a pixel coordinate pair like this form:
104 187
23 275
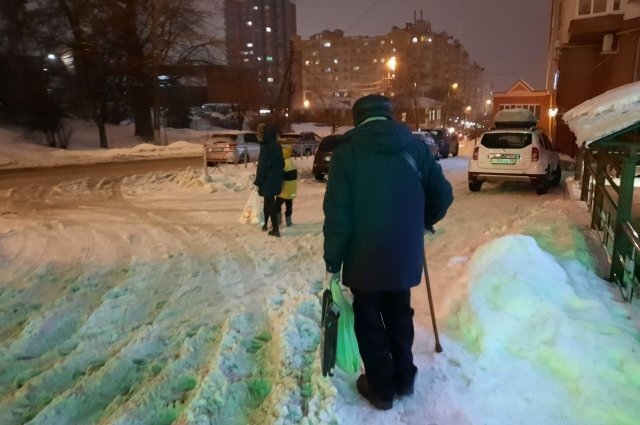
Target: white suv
515 150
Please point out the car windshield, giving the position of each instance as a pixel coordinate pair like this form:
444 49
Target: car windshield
506 140
224 136
290 136
328 144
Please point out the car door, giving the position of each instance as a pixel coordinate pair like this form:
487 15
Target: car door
252 146
551 156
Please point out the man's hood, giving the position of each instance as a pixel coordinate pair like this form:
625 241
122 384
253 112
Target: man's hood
383 136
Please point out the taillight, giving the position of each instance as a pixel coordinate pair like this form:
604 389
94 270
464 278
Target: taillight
475 153
535 154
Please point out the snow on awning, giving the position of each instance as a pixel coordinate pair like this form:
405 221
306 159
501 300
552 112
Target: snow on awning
606 114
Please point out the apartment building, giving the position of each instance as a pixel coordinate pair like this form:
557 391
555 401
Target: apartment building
594 47
258 35
414 65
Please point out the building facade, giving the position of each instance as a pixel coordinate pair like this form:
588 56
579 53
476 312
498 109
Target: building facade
522 95
414 65
258 35
594 47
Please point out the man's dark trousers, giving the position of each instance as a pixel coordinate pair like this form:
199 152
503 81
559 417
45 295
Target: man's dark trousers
384 329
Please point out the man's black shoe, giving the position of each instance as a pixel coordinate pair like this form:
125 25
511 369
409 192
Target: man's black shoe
408 389
264 227
365 391
274 233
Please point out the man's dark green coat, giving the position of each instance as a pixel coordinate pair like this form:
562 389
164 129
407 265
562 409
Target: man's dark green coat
374 207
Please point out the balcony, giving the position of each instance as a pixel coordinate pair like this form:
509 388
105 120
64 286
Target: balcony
593 19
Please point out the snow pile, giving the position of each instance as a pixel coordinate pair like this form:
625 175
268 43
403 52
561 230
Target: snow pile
612 111
538 323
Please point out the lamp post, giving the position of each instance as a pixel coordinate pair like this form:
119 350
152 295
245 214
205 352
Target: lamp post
467 112
452 87
391 68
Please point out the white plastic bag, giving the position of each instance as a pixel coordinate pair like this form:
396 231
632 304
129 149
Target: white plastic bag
253 212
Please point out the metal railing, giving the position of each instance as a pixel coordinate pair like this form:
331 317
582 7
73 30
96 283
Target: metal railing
626 262
600 201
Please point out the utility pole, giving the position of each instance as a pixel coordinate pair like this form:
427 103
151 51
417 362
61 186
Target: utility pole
155 64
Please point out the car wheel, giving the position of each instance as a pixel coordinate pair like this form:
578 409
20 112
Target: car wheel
319 177
557 175
475 185
543 188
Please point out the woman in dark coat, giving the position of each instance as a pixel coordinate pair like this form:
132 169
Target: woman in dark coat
269 177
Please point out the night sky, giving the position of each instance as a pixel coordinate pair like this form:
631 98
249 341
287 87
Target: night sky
508 38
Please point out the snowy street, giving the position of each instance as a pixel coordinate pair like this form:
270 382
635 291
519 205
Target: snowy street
144 300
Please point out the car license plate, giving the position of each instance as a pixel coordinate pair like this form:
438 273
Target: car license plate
508 161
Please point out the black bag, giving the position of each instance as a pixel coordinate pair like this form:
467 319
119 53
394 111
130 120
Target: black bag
329 340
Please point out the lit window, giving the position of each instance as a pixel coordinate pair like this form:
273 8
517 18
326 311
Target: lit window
414 40
249 44
335 60
245 60
381 60
356 68
269 79
430 39
327 44
382 42
317 62
249 23
269 58
375 61
423 38
307 62
327 69
255 7
268 29
259 58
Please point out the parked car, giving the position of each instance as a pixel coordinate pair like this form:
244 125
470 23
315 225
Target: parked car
426 138
446 143
322 157
302 144
515 150
231 147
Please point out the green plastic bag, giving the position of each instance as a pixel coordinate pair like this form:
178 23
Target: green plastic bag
347 353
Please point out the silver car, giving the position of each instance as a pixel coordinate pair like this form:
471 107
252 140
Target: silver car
430 142
232 147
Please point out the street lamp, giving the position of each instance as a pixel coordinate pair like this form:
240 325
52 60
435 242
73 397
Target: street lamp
452 87
391 67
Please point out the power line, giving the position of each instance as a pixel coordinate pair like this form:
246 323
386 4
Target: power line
369 10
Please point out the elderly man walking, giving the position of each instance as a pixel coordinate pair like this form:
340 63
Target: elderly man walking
384 190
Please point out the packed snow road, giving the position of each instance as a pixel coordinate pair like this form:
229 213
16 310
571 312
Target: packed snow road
143 300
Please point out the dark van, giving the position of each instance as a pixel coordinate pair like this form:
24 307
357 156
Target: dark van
323 154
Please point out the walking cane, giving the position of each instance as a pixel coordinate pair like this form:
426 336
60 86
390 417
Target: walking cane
433 314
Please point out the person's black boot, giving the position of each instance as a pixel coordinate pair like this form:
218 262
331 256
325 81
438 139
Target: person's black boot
264 228
362 384
275 233
406 389
287 218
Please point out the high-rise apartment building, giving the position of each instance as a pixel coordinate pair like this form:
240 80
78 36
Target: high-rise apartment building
413 64
258 35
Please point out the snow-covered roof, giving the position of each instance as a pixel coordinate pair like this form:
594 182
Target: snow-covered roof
606 114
